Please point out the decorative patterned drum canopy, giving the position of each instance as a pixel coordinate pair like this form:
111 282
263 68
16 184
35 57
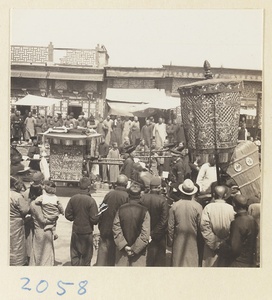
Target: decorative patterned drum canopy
210 111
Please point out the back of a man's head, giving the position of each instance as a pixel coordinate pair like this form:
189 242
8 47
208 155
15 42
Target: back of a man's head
220 192
84 183
122 180
240 202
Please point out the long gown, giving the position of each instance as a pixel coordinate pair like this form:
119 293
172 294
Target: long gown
113 169
42 245
19 207
146 134
135 133
108 126
183 232
126 129
29 128
160 134
116 135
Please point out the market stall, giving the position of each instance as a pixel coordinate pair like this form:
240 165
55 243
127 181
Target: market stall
37 101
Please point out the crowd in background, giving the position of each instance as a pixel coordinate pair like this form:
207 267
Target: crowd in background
113 128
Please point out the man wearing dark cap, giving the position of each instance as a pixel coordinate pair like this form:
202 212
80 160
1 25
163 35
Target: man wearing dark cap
34 150
184 227
158 209
131 230
112 201
82 211
127 168
215 227
241 246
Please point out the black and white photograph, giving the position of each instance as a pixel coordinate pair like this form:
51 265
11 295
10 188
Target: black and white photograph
135 148
136 139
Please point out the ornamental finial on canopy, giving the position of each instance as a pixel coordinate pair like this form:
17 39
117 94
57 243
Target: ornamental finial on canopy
207 68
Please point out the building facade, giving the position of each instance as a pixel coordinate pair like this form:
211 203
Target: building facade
80 77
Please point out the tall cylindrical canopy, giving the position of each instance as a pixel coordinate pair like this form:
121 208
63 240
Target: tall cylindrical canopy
210 113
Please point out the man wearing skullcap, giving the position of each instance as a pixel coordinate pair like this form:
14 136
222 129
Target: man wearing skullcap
215 227
131 230
184 227
241 246
82 211
158 209
112 201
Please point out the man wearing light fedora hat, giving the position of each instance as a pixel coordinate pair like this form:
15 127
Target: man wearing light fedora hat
184 227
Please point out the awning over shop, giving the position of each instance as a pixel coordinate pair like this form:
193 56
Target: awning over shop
140 102
31 100
248 112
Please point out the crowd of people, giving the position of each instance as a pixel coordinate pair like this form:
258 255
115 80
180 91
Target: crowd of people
136 225
113 128
169 202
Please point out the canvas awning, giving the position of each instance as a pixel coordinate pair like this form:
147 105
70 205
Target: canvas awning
248 112
140 102
32 100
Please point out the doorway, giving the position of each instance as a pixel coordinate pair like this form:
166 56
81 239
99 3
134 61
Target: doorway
75 109
23 108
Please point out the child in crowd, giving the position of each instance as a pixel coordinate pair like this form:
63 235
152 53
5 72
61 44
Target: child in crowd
50 205
36 188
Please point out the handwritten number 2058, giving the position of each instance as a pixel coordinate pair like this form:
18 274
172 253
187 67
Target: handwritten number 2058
43 285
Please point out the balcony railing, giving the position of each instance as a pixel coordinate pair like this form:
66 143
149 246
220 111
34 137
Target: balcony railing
58 56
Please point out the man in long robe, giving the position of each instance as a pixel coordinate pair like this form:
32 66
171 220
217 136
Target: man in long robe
114 169
19 207
131 230
158 209
126 128
215 227
113 200
146 133
135 133
184 227
160 133
17 126
116 135
103 150
29 126
82 211
107 126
